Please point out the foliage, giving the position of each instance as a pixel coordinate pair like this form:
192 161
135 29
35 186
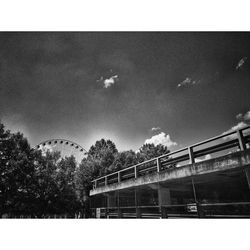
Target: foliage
150 151
17 173
123 160
102 154
38 184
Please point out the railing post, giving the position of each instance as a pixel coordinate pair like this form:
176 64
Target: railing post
119 177
241 140
191 155
106 180
95 183
135 172
158 164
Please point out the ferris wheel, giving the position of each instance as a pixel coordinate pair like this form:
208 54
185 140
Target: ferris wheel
65 147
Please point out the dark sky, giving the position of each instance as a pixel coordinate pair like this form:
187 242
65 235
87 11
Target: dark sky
88 86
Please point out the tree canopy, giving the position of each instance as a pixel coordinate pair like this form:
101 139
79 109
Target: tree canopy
39 184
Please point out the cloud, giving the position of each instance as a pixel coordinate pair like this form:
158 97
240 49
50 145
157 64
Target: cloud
243 122
239 116
207 157
247 116
187 82
108 82
161 138
243 117
155 128
241 62
240 125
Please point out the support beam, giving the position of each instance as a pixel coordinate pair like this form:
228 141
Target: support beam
247 176
200 212
118 201
163 199
137 208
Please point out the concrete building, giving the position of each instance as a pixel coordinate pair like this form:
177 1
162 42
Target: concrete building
181 183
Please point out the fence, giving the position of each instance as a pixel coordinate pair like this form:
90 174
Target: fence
222 144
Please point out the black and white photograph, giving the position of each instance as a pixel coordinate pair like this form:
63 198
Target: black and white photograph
125 125
126 133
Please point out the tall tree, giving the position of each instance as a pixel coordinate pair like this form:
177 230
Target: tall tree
123 160
17 173
103 154
65 179
150 151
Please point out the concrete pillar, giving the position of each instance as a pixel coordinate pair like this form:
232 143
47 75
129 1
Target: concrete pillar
163 199
118 205
107 205
137 208
200 211
247 172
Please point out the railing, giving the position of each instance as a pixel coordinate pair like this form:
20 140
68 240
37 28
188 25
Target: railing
174 159
203 210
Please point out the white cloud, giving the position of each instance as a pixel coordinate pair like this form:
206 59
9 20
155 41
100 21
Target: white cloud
188 81
243 117
155 128
161 138
207 157
239 116
234 128
110 81
247 116
241 62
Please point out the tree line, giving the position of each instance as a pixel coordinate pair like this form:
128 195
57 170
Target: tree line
40 184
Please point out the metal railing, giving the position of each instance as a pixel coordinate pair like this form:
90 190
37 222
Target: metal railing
164 162
203 210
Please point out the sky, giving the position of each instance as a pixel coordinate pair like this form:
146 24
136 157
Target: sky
172 88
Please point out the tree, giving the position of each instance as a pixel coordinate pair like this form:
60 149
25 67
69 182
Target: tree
150 151
103 154
55 189
16 172
65 180
123 160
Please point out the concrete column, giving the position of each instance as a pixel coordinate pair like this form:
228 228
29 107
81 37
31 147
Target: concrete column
137 208
107 204
200 212
163 199
247 172
118 205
